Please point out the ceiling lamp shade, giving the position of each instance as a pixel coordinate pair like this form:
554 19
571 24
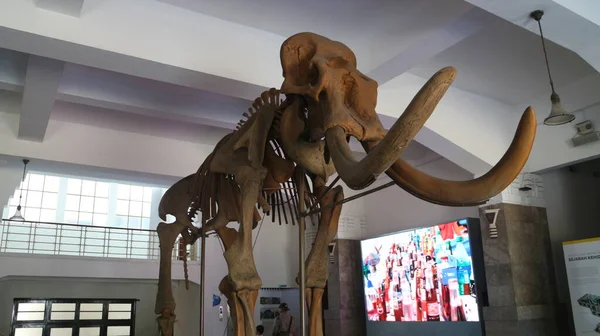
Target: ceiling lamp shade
18 216
558 114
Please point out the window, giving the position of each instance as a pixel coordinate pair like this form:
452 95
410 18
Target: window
53 199
86 202
67 317
40 198
134 205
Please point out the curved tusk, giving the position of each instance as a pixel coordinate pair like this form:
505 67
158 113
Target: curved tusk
360 174
476 191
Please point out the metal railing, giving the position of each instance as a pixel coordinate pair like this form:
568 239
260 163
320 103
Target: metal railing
83 240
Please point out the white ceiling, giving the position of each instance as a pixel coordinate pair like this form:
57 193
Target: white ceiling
506 62
376 30
501 61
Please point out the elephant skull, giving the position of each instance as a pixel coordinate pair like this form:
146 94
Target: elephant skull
333 101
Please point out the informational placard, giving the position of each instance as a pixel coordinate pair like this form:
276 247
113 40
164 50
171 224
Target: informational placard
352 227
582 258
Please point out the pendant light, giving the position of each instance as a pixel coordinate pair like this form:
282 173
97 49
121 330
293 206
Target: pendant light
18 216
558 114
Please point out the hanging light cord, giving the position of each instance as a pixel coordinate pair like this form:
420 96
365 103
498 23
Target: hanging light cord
545 54
25 162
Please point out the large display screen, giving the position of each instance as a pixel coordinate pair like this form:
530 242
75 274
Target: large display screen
420 275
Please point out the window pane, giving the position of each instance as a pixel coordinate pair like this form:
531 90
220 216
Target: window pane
122 221
119 315
49 200
124 307
123 191
135 209
135 223
90 315
99 219
30 316
31 214
88 188
51 183
28 331
32 307
122 207
91 307
101 205
145 223
14 200
72 203
87 204
137 193
61 331
11 211
61 315
146 209
74 186
71 217
117 331
63 307
102 189
36 182
89 331
48 215
85 218
147 194
34 199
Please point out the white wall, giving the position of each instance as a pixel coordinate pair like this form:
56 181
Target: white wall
110 270
393 209
572 201
144 291
188 308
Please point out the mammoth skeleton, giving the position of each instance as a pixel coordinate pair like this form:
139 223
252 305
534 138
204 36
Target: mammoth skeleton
284 153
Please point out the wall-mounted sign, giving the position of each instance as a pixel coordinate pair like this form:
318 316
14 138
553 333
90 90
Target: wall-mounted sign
582 259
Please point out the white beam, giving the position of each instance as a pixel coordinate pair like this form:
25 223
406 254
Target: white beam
41 84
434 43
67 7
237 60
12 70
110 90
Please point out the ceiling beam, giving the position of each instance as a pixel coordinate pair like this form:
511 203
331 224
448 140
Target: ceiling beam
99 88
41 85
12 70
432 44
67 7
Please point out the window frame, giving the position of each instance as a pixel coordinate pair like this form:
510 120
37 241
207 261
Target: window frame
106 216
47 324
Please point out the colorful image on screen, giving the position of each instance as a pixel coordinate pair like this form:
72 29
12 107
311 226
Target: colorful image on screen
420 275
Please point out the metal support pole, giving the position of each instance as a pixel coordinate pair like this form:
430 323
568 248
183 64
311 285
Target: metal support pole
202 276
301 240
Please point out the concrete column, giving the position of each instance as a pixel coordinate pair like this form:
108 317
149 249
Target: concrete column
519 264
345 310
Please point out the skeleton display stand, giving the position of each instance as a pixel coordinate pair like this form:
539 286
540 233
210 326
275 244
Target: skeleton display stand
279 161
